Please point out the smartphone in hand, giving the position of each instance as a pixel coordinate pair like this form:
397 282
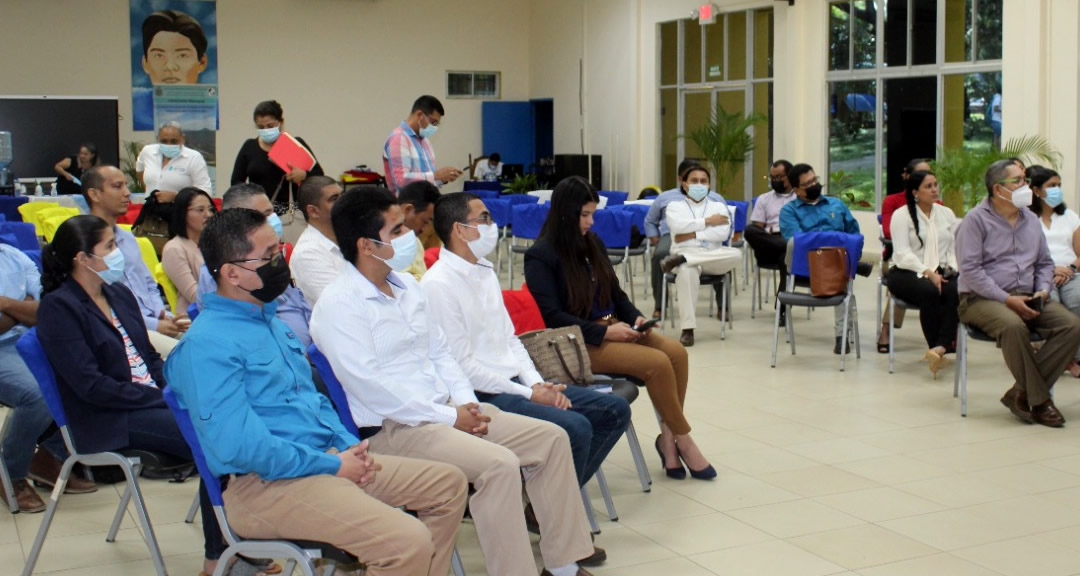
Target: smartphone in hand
646 325
1036 304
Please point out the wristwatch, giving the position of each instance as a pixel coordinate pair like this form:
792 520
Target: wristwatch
1073 268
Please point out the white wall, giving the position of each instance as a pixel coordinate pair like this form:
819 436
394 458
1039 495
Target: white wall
345 71
557 33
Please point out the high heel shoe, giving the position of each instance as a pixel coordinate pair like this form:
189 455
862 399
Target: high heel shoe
936 362
706 473
678 472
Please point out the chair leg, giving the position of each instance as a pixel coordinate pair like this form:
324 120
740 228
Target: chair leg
724 290
5 477
608 502
639 458
121 509
456 564
755 294
589 511
663 302
193 510
890 311
844 334
776 335
289 568
855 329
790 327
878 337
50 512
144 519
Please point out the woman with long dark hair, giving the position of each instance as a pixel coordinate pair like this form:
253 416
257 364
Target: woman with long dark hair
181 257
71 169
924 264
1061 226
571 277
109 376
253 162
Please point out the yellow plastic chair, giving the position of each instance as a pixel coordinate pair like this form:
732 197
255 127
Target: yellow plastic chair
149 255
30 210
166 283
124 226
51 222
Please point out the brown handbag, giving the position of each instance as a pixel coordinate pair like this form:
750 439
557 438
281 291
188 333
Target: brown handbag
828 271
559 355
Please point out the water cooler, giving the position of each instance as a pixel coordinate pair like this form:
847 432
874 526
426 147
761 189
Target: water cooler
7 177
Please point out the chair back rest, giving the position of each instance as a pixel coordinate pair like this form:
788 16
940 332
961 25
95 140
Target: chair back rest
333 386
167 285
25 236
431 255
615 198
149 255
516 199
542 196
193 310
32 353
500 209
637 213
187 429
806 242
528 219
9 207
286 251
742 212
523 310
613 227
29 212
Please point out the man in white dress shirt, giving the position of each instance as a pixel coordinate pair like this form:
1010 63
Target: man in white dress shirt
316 259
170 165
411 398
466 301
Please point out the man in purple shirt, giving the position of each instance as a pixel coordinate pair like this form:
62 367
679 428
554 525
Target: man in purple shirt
1005 278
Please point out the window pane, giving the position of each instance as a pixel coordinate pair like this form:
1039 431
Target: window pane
763 150
969 123
851 142
691 52
697 111
763 44
486 84
714 50
896 33
669 133
958 30
865 15
734 102
736 46
459 84
911 125
924 32
839 36
669 53
988 21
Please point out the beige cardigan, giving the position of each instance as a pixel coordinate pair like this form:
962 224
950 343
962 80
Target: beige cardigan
182 261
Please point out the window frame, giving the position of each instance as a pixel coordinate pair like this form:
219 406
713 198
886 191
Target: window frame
472 95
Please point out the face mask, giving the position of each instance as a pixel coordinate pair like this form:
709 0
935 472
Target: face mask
169 150
269 135
489 238
1053 197
405 248
1021 197
698 192
777 186
115 262
813 193
275 222
275 278
428 131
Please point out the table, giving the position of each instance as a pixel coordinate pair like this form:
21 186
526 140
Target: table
473 185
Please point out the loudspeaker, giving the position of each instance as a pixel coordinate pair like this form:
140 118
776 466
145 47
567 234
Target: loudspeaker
578 165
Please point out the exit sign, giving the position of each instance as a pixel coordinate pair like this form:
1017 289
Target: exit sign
707 14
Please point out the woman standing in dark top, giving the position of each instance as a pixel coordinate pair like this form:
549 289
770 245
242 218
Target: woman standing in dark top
71 169
253 163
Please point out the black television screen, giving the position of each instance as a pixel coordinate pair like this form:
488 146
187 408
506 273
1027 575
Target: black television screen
46 129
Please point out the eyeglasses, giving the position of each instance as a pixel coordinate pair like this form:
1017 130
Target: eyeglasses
201 210
271 258
485 219
1022 180
432 121
810 183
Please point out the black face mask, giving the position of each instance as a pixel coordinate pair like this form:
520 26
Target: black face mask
275 278
777 186
813 193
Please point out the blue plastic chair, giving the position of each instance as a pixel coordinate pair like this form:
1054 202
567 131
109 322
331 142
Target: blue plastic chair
614 229
341 404
614 197
516 199
9 207
29 348
526 221
742 219
297 553
800 267
193 310
25 236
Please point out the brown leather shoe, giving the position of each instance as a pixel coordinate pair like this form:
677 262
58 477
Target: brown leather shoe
1016 401
1048 415
672 262
598 557
25 496
45 469
687 338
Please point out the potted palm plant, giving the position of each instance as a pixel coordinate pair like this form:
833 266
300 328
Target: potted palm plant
725 141
522 184
131 151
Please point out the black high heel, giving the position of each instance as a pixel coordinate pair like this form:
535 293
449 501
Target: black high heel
707 473
678 472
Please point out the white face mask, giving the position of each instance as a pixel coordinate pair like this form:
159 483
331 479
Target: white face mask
489 238
1021 197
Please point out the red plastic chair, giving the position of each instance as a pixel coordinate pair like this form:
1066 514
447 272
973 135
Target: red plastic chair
131 216
286 250
431 255
524 312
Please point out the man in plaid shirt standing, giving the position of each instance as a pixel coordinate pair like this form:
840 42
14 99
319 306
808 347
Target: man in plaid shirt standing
407 154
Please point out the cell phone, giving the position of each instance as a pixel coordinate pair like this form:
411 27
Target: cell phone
646 325
1036 304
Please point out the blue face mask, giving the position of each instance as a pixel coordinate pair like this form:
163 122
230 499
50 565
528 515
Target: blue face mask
698 192
115 262
275 222
169 150
269 135
405 248
1054 197
428 131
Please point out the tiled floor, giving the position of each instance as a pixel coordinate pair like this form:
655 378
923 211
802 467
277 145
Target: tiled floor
821 472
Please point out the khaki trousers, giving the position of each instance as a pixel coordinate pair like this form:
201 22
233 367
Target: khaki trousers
362 521
494 464
699 261
660 362
1035 372
162 343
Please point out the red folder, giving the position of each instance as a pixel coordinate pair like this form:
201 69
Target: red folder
288 150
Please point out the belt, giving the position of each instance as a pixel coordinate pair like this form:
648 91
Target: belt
368 431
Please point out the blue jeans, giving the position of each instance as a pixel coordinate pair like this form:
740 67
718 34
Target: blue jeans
30 416
594 424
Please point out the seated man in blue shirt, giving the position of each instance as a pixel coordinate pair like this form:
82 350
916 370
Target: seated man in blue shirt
656 229
293 308
813 212
296 473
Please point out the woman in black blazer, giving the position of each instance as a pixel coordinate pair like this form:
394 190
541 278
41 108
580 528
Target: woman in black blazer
571 277
109 376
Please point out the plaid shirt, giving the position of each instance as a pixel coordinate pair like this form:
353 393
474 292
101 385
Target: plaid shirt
407 158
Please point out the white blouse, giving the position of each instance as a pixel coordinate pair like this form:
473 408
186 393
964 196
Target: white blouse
1059 236
936 232
187 169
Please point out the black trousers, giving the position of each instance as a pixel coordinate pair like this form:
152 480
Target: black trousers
769 249
660 251
937 310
